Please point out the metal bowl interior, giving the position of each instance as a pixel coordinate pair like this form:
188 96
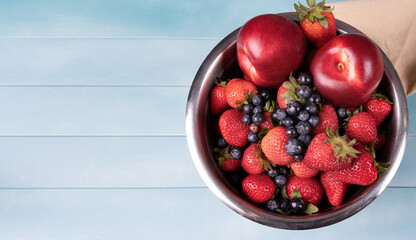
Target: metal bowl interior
222 62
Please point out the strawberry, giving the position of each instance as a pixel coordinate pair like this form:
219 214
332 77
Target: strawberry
233 129
329 151
287 93
380 140
217 101
362 127
273 145
258 187
328 118
310 189
303 171
362 170
335 189
254 161
267 123
226 161
238 91
317 22
378 106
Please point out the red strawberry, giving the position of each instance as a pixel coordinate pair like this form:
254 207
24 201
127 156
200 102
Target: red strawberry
303 171
317 22
238 90
287 93
335 190
380 141
329 151
267 123
226 161
378 106
233 129
217 101
328 118
362 170
258 187
273 146
254 162
310 189
362 127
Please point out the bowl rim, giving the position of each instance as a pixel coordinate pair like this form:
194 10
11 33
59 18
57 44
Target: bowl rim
254 213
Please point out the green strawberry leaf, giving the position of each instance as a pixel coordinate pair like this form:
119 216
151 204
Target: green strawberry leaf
311 3
295 194
328 9
323 22
284 193
311 209
281 211
263 132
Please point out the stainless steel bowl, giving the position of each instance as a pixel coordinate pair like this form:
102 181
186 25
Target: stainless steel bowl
222 62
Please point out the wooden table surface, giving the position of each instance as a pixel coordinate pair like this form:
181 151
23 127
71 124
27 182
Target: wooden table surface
92 126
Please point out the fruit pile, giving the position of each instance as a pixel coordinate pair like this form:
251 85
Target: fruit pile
302 124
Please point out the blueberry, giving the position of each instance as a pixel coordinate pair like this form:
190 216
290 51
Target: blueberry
293 108
280 114
291 132
283 170
284 205
221 143
303 128
248 109
315 98
288 121
265 93
298 157
253 138
294 147
257 118
280 180
306 139
257 100
272 173
305 79
272 205
303 92
254 128
257 109
236 152
314 120
342 113
297 205
247 120
303 115
312 107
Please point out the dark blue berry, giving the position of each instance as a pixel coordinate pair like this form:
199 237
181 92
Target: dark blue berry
257 100
221 143
248 109
297 205
294 147
280 180
247 120
257 118
236 152
303 92
314 120
342 113
305 79
311 107
283 170
253 138
298 158
306 139
291 132
272 205
303 115
257 109
284 205
265 93
315 98
293 108
288 121
280 114
303 128
272 173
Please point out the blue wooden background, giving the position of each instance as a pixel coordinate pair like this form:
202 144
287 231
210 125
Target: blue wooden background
92 130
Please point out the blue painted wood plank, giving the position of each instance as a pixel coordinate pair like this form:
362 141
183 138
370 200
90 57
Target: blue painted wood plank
182 18
114 61
178 214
